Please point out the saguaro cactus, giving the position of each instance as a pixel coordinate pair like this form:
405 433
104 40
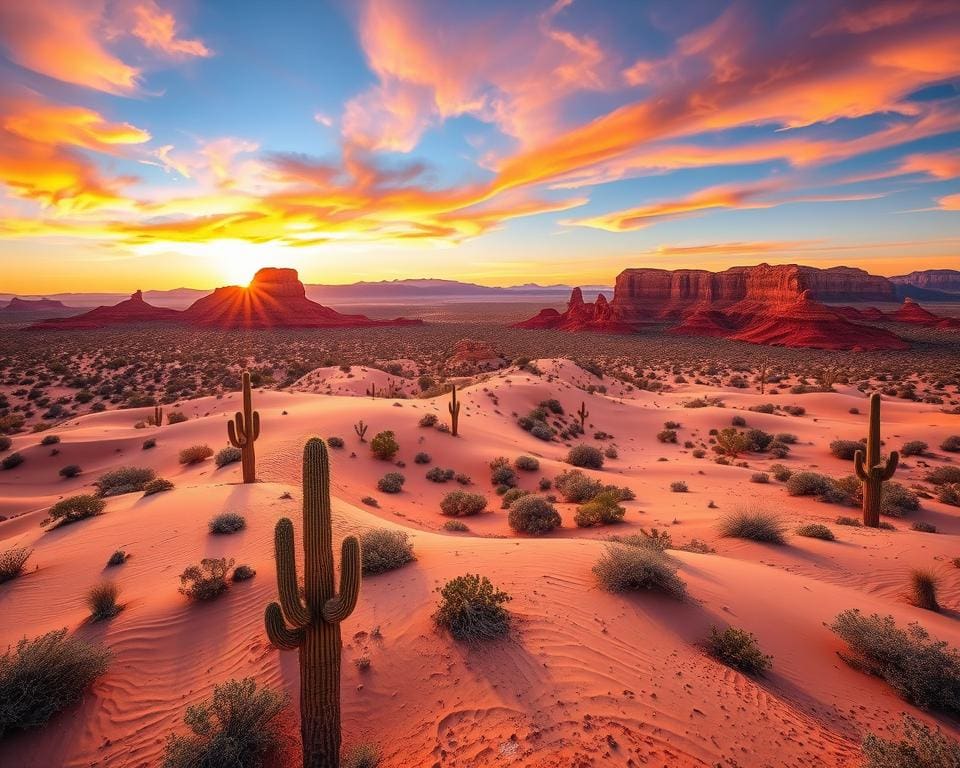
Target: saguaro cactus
869 469
243 431
454 408
158 415
361 429
315 619
583 413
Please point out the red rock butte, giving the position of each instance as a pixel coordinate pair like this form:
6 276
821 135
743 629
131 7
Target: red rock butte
275 298
779 305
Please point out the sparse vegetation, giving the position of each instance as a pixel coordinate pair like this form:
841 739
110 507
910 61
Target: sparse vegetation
392 482
738 649
12 562
384 550
102 600
227 522
815 531
919 747
630 568
471 609
124 480
585 456
754 524
206 580
384 445
75 508
533 514
195 454
228 455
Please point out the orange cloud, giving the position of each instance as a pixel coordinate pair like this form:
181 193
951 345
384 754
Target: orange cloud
940 165
157 29
949 203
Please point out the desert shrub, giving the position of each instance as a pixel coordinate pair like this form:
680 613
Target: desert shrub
699 453
503 475
511 496
335 442
794 410
610 452
585 456
392 482
949 494
50 440
370 501
815 531
526 463
851 521
117 558
625 568
731 442
678 486
753 524
845 449
896 500
924 527
471 609
157 485
361 756
919 747
150 442
455 526
760 477
576 487
462 478
462 504
602 509
384 445
101 599
942 475
421 458
12 562
788 438
808 484
71 470
951 444
195 454
924 671
667 436
914 448
428 420
243 573
738 421
656 539
75 508
176 417
439 475
738 649
780 472
12 460
553 405
763 408
207 580
124 480
44 675
923 590
228 455
5 443
227 522
239 727
384 549
533 514
759 440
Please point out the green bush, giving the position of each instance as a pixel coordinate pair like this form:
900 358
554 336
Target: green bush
384 550
124 480
392 482
533 514
238 728
603 509
361 756
942 475
384 445
754 524
738 649
206 580
75 508
923 671
585 456
625 568
471 609
462 504
576 487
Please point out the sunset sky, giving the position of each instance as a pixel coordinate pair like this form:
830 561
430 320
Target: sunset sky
160 143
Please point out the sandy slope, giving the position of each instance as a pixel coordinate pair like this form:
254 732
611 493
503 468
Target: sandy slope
586 678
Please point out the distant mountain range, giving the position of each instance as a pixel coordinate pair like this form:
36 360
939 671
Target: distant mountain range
380 292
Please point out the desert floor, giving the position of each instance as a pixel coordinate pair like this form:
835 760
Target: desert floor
586 678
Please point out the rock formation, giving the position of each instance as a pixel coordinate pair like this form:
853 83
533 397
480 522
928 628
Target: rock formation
133 310
946 280
33 308
579 316
911 312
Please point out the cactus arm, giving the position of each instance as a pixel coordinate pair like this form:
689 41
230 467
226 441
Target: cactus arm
235 432
283 638
256 425
859 467
293 608
891 467
336 609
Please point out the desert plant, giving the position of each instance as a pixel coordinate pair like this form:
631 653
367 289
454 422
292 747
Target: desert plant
119 557
471 609
384 550
667 436
455 526
602 509
454 408
951 444
625 568
102 600
924 671
919 747
124 480
12 562
228 455
923 527
69 471
868 467
243 573
731 442
227 522
177 417
576 487
585 456
157 485
361 429
526 463
335 442
738 649
815 531
238 728
923 590
44 675
206 580
75 508
244 430
195 454
392 482
421 458
845 449
462 504
439 475
943 475
914 448
314 620
361 756
384 445
753 524
149 443
428 420
12 460
533 514
678 486
157 418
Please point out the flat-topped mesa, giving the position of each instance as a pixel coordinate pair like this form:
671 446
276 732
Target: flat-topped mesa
130 311
278 281
946 280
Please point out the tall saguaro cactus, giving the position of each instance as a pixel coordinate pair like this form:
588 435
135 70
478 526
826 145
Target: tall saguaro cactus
870 470
315 619
243 432
158 415
582 414
454 407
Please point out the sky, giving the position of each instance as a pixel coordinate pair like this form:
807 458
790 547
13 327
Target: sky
167 143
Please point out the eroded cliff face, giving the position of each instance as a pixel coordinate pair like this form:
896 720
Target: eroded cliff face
579 316
946 280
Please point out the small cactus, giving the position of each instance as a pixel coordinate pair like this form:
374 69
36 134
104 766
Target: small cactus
244 430
583 414
372 391
158 415
315 618
361 429
869 469
454 408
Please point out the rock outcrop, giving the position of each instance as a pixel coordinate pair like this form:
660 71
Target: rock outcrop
32 308
912 312
275 298
579 316
133 310
946 280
